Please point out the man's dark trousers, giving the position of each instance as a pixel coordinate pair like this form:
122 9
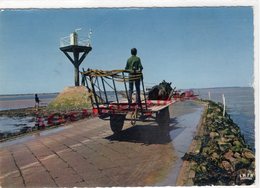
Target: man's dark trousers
137 87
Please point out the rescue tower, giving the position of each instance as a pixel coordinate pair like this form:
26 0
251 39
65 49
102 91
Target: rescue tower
76 50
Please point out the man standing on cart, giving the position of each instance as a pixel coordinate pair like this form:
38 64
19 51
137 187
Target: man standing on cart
134 66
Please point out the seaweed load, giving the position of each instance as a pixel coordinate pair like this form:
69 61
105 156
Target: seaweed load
222 156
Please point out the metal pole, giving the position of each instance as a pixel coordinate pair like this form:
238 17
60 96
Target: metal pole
102 79
83 78
76 69
144 93
76 65
99 90
115 89
89 91
128 99
94 92
224 104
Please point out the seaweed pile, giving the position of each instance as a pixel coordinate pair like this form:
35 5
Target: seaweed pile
222 157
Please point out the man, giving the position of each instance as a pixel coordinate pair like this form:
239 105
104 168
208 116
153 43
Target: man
37 101
134 67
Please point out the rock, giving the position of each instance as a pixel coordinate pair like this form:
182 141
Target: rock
236 149
218 110
214 156
237 155
242 163
248 155
252 166
201 168
205 150
212 135
230 136
209 122
237 143
223 153
227 166
223 145
237 146
229 156
221 141
235 131
226 139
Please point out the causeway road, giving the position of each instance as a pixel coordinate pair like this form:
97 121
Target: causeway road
86 153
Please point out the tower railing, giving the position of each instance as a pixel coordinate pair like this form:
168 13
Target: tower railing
66 41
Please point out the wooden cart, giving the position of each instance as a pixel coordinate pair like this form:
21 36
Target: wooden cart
110 99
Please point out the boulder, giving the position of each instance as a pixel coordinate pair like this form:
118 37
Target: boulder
227 166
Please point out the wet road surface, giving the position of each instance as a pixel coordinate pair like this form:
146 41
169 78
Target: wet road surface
185 123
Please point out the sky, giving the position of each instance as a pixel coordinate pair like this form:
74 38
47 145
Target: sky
190 47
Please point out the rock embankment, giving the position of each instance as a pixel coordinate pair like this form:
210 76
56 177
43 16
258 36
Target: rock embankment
221 156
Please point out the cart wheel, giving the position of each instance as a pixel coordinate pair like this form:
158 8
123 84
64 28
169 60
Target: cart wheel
163 117
117 122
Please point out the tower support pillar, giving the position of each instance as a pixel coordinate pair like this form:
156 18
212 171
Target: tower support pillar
76 75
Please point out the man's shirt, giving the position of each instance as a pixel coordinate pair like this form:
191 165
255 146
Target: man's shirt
134 63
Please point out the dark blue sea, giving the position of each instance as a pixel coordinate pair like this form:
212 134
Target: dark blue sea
240 106
239 103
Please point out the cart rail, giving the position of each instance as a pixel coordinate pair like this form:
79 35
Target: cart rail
110 87
104 84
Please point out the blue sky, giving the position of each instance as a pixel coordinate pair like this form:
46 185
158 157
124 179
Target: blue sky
190 47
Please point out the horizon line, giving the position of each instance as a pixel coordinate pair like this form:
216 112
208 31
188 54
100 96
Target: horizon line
56 92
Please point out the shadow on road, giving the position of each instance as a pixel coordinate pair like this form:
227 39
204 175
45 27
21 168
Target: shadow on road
146 134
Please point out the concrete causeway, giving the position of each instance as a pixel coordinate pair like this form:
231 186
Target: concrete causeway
86 153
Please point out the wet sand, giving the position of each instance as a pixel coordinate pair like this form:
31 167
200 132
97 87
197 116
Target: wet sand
18 104
86 153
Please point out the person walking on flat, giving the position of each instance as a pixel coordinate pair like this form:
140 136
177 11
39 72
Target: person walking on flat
134 66
37 101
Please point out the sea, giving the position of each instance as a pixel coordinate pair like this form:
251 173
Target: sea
239 105
20 101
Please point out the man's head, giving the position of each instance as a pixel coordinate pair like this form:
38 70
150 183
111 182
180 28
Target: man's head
133 51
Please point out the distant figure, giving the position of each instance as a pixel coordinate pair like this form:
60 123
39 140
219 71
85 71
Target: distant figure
37 101
134 67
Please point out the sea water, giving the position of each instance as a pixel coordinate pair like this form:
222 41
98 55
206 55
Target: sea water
8 102
239 105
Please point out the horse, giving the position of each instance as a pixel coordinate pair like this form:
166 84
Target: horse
162 91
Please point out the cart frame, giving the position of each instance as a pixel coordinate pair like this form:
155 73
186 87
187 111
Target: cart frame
98 81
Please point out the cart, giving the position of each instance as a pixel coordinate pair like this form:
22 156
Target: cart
110 99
